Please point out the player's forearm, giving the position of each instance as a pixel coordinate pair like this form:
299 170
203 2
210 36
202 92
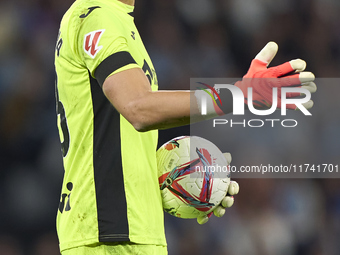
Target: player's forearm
131 94
164 109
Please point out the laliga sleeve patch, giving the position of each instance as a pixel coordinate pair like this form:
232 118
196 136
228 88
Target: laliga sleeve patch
91 41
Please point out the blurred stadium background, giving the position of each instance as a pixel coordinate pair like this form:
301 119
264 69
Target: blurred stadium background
185 38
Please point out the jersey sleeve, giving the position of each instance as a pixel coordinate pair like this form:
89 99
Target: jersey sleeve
103 46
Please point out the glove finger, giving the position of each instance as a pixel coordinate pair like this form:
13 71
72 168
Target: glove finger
233 188
267 54
291 107
296 79
280 70
228 157
219 211
306 77
310 86
290 80
202 219
227 202
307 105
292 94
298 65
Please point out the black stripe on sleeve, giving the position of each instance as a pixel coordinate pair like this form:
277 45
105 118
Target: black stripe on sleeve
111 64
108 170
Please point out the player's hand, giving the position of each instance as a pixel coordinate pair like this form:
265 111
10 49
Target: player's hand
263 79
226 202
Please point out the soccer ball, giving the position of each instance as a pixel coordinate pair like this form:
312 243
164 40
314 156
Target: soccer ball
193 176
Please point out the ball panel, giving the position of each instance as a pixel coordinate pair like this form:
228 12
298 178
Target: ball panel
188 178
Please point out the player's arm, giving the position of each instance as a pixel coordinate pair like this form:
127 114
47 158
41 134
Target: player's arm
130 93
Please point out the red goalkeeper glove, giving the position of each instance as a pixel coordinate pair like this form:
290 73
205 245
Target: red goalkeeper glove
262 80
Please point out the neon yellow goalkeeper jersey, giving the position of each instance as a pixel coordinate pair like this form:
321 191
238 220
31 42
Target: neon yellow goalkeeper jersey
110 189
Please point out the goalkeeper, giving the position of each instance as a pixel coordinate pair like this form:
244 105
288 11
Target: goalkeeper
109 111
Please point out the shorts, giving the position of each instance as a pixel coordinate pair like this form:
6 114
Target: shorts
120 248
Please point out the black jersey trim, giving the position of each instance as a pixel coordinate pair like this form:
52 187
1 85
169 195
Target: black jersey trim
111 64
108 170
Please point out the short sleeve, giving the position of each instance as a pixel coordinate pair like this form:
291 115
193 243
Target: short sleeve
102 44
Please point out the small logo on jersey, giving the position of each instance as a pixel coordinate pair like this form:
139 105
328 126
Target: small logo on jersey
88 13
133 35
91 41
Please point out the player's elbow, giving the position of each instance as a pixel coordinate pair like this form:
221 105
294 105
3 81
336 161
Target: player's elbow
140 119
140 126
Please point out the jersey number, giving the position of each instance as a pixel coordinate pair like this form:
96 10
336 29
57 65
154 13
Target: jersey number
65 145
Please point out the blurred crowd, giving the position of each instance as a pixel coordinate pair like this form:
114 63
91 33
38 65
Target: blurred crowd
185 39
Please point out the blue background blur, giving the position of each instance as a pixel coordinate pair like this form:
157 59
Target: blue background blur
185 38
